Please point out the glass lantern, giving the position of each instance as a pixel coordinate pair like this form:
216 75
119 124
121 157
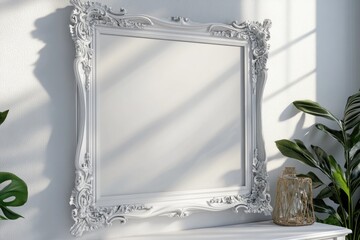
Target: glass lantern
294 201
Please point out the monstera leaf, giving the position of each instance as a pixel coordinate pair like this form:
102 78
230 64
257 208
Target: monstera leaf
14 194
14 191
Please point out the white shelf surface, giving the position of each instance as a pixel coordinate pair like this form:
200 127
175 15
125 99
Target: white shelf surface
255 231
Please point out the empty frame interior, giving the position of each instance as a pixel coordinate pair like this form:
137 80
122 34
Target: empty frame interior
169 117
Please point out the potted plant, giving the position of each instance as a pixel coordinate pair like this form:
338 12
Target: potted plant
14 193
344 181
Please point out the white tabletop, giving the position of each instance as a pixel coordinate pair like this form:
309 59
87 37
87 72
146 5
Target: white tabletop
255 231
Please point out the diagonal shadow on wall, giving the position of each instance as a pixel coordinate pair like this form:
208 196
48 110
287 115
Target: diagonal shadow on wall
54 71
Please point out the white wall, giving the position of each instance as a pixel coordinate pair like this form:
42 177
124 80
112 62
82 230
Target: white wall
314 54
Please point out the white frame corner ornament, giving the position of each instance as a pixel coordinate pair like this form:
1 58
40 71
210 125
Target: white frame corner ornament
84 19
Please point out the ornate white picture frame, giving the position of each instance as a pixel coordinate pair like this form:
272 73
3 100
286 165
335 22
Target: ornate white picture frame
95 207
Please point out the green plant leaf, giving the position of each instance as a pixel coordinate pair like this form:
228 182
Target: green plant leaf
334 197
337 196
3 116
354 137
354 164
356 231
338 175
326 192
356 220
322 158
357 208
316 182
9 214
337 135
344 201
303 147
355 172
321 207
352 111
333 219
355 160
355 184
293 150
16 189
354 149
331 168
315 109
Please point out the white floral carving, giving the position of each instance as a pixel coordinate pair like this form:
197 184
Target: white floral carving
87 217
181 20
257 35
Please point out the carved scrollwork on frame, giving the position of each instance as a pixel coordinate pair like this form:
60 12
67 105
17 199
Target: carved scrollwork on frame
85 17
257 35
86 215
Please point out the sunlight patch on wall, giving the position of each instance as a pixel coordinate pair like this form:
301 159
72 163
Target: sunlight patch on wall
292 76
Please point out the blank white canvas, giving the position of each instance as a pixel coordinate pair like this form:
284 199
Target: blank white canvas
178 129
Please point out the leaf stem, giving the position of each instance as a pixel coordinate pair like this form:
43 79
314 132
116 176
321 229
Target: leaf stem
348 179
343 212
